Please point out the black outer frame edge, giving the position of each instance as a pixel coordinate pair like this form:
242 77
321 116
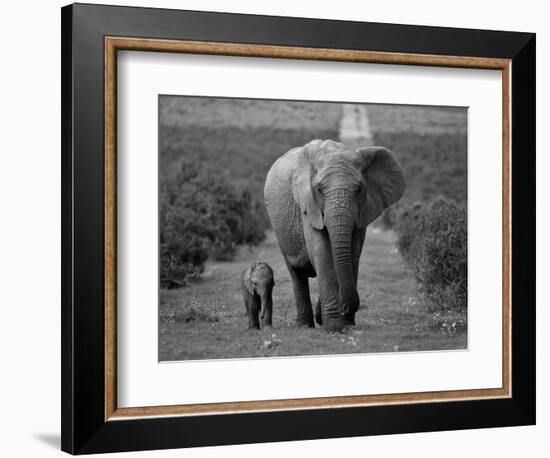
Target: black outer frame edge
524 215
141 22
67 413
83 427
178 432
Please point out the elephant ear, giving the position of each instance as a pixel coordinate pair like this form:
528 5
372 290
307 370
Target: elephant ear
301 189
385 182
312 210
248 280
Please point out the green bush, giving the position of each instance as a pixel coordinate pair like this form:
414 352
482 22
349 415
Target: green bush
203 214
432 238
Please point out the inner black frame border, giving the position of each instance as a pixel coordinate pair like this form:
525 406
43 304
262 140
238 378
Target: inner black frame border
84 429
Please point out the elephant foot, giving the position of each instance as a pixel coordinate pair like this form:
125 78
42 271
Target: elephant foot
349 319
339 323
305 322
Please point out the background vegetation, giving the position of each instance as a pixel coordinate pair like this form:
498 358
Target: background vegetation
431 219
431 145
433 239
203 214
214 156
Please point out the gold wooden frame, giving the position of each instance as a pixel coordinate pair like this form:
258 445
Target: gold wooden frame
112 45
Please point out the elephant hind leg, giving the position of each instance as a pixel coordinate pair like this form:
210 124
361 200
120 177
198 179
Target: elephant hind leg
304 310
319 313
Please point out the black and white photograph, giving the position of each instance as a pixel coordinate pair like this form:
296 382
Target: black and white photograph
295 228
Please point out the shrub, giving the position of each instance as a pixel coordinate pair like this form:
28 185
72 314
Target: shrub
203 214
188 311
432 238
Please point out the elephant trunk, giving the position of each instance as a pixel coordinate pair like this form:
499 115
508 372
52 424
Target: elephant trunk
340 221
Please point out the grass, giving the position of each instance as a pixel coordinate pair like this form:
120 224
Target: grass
390 319
244 154
240 137
247 113
425 120
245 137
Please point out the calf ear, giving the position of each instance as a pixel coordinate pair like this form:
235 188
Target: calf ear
385 182
248 281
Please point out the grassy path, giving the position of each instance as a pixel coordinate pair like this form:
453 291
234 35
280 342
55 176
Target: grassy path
207 320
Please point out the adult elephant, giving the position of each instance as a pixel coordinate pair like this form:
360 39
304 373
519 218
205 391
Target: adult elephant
320 199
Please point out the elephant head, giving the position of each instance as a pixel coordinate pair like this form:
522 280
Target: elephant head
339 190
258 281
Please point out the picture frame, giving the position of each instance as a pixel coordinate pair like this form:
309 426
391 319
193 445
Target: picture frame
92 35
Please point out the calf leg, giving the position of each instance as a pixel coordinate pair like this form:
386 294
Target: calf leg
253 311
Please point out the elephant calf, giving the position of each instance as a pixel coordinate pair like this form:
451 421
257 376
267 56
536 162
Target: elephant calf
257 285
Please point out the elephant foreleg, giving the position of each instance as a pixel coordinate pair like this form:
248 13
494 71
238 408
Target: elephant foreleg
300 284
329 308
357 247
253 311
